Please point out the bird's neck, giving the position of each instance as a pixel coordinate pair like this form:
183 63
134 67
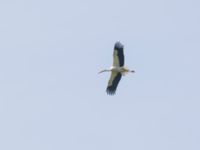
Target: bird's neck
105 70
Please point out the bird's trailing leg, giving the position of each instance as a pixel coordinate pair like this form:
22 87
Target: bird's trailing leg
132 71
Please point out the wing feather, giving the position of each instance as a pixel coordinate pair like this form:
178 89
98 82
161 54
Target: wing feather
118 55
113 83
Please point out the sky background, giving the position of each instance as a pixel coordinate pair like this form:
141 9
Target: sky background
51 97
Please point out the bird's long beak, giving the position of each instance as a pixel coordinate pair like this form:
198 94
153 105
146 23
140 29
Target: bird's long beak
102 71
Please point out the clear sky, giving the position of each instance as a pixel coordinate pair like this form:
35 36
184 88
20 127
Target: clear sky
51 97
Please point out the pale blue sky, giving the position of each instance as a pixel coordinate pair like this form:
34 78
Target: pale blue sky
51 97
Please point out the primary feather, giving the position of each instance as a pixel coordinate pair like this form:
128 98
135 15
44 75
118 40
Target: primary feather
118 55
113 82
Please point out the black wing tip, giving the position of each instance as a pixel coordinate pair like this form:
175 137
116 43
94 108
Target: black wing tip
110 92
119 45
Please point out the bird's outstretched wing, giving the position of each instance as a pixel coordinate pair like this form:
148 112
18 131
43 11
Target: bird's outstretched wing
113 82
118 55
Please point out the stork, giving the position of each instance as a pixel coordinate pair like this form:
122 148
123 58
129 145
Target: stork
117 69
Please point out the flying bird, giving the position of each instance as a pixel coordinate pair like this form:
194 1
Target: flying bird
117 69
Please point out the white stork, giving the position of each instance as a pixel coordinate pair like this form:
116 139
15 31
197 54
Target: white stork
117 69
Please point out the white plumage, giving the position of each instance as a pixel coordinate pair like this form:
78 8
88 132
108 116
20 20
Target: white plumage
117 69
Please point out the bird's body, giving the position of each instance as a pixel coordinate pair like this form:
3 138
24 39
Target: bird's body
117 69
122 70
